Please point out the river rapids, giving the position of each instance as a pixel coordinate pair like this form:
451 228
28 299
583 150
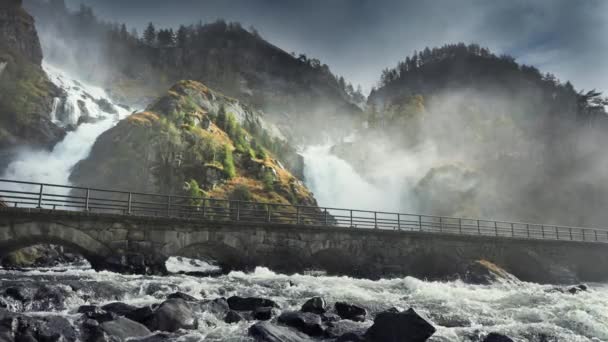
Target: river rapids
460 312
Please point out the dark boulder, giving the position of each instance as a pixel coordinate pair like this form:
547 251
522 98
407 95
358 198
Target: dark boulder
249 304
172 315
141 315
50 298
119 329
352 312
306 322
405 326
97 314
233 317
158 337
339 328
181 295
218 306
20 293
267 332
16 327
262 314
496 337
315 305
119 308
351 337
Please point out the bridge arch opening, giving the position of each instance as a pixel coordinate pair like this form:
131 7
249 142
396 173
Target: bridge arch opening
45 253
206 258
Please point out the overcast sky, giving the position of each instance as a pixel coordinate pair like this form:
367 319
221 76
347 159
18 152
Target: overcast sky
359 38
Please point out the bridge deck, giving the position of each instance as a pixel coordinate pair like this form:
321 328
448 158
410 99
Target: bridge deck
60 198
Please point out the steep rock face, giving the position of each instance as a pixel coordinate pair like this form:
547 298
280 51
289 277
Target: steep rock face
26 94
194 141
17 31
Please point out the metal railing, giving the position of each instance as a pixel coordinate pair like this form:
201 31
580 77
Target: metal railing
61 197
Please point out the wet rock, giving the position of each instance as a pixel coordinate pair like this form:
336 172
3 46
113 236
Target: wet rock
577 289
330 317
218 306
339 328
172 315
106 106
316 305
496 337
403 326
352 312
306 322
249 304
141 315
181 295
16 327
483 272
158 337
123 328
21 294
159 289
233 317
49 298
267 332
119 308
96 313
351 337
262 314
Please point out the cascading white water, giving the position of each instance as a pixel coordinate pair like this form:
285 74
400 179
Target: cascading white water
55 166
335 183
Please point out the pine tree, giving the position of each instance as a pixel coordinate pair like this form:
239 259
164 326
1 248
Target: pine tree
182 36
150 35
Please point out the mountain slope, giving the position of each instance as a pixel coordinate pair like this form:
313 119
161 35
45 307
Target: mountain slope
470 133
194 141
299 94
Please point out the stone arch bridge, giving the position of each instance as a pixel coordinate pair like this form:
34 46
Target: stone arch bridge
128 236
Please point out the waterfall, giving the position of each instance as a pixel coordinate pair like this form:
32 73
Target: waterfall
55 166
335 183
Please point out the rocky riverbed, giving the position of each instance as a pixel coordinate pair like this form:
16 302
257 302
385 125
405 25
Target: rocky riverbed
74 303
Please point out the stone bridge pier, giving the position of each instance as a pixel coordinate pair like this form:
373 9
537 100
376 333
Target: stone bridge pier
136 244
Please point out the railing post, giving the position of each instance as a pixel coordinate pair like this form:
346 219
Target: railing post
325 217
238 210
375 220
583 234
512 230
440 225
460 226
556 233
40 197
204 207
420 222
595 231
570 234
478 228
496 227
542 228
297 215
398 221
169 206
129 203
528 229
351 218
268 213
86 201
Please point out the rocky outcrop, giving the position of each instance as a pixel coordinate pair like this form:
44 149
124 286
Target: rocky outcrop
195 142
17 31
26 94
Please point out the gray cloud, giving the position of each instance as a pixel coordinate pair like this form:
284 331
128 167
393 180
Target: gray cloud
358 38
